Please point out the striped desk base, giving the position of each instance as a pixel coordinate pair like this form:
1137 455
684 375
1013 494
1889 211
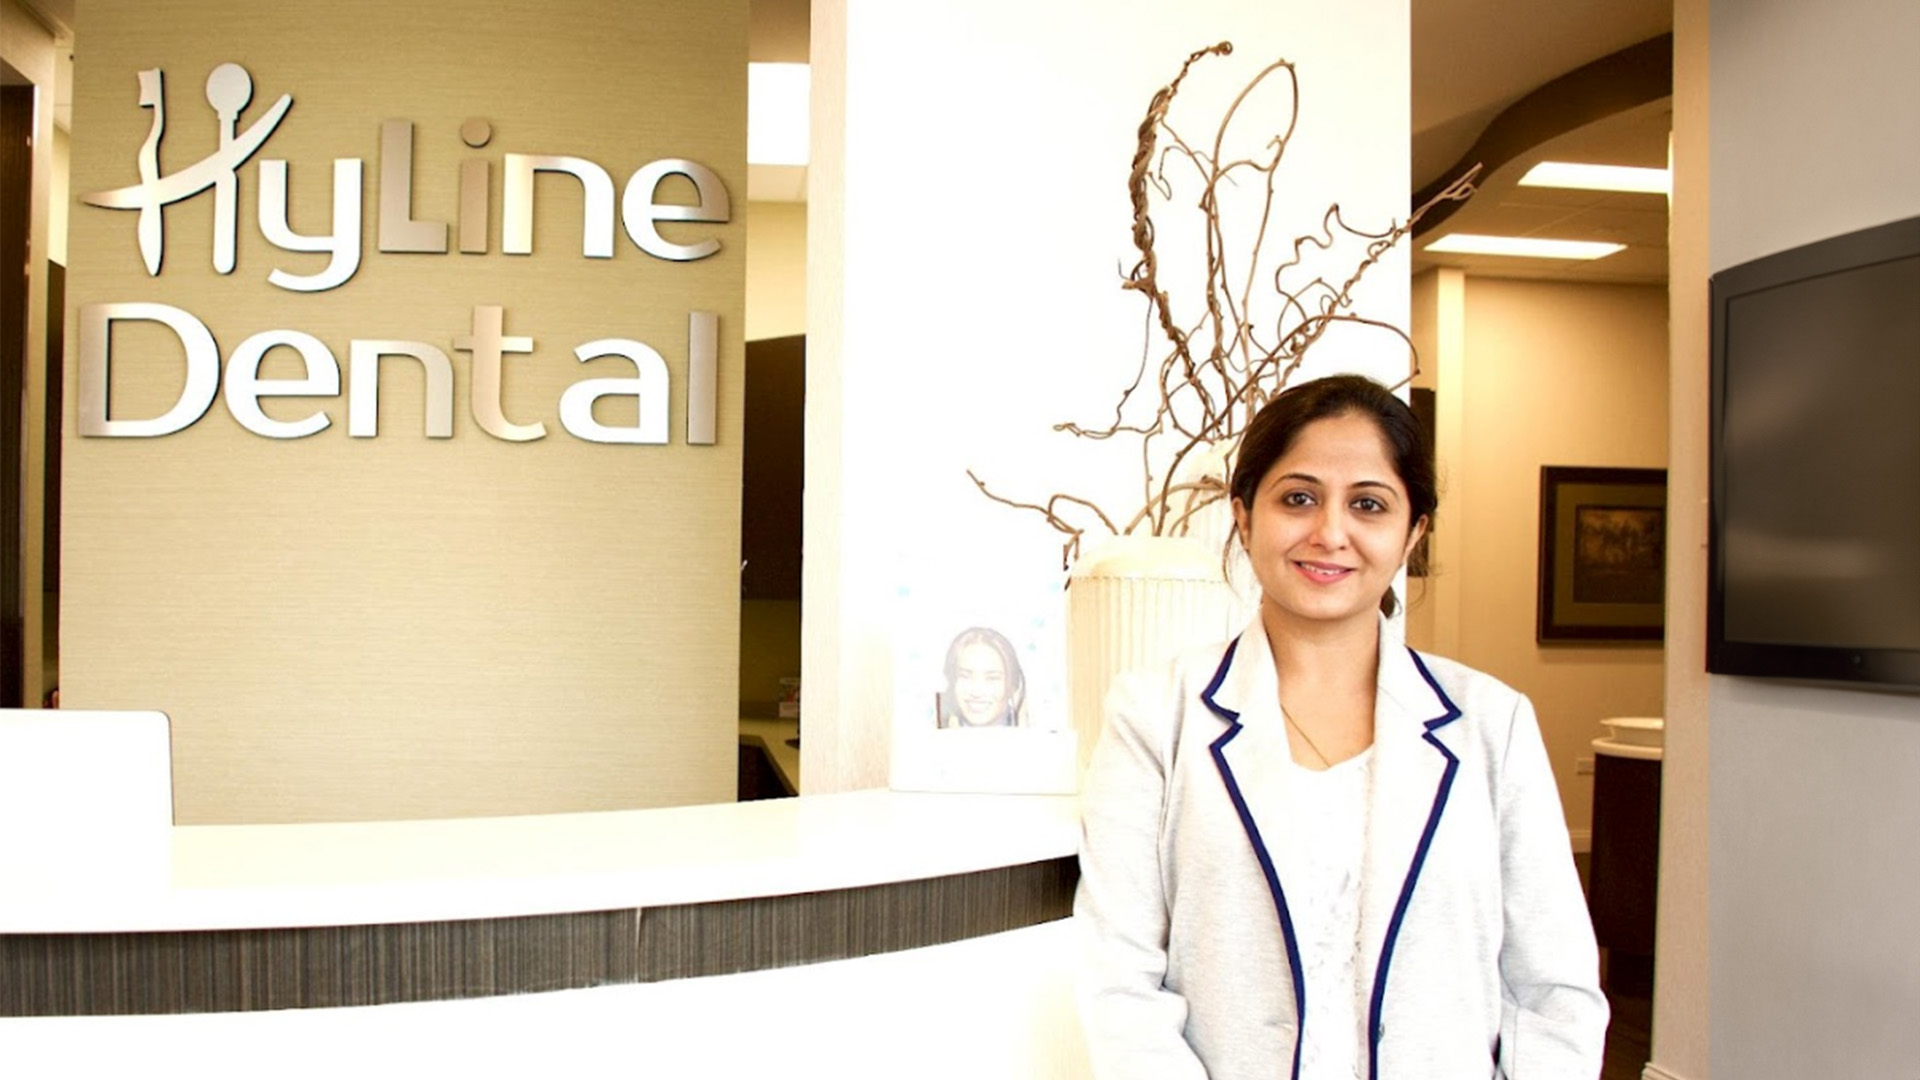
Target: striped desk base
238 970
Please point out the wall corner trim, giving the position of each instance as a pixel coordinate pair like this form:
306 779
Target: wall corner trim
1655 1072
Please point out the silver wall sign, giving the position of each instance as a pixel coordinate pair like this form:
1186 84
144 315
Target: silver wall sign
487 344
229 90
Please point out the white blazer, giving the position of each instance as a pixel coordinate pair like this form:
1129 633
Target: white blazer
1477 953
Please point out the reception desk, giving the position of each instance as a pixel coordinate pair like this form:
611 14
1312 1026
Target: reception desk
861 927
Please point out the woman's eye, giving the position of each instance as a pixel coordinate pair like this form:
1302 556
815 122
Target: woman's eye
1296 498
1370 505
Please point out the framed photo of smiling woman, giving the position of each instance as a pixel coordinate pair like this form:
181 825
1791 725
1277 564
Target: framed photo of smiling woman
979 734
985 686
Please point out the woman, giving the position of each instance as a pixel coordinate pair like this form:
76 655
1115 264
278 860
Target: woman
1311 852
985 687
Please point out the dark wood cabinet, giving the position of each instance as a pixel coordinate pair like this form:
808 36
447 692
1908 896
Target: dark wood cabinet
772 468
1625 884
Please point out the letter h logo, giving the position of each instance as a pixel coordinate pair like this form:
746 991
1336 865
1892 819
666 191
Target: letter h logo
229 89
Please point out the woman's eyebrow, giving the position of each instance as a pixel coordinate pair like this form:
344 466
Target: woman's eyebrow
1312 479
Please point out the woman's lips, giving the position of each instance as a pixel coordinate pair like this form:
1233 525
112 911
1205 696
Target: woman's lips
1322 573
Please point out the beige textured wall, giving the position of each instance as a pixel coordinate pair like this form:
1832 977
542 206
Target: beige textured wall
403 627
1549 374
1422 309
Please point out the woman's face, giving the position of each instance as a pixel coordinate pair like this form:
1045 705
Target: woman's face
980 684
1329 526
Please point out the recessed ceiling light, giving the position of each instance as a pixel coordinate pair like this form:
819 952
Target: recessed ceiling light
1568 174
777 97
1528 247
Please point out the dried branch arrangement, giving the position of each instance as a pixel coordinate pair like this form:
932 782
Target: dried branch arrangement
1210 363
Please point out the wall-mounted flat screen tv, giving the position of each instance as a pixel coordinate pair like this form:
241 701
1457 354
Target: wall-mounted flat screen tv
1814 555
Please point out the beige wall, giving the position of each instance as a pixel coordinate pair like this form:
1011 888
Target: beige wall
769 651
1435 321
351 628
1681 991
776 307
57 209
776 269
1423 304
1544 374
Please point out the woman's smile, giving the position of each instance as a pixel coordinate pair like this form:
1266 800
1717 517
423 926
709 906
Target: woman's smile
1323 572
980 685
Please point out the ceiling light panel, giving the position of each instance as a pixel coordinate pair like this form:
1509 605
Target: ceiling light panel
777 110
1569 174
1525 247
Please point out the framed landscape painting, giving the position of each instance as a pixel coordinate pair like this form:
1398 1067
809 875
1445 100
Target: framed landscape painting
1603 554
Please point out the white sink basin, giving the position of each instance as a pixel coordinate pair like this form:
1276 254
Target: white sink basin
1637 730
1633 737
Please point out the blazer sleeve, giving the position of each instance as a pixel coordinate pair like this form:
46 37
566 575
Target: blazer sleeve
1553 1015
1133 1023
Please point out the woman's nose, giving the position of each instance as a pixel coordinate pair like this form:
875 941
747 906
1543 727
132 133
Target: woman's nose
1330 528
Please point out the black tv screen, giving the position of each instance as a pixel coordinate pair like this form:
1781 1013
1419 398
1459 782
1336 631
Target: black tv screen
1814 558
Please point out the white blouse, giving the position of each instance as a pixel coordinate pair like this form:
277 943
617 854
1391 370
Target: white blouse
1323 859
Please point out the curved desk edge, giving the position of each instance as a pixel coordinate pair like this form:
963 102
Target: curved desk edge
231 877
93 974
247 917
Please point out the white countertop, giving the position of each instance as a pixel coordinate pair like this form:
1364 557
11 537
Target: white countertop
258 876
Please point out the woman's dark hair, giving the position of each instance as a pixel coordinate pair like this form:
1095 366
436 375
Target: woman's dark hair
1016 679
1274 428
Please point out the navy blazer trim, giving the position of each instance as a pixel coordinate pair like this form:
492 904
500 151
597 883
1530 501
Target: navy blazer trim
1217 748
1220 676
1374 1030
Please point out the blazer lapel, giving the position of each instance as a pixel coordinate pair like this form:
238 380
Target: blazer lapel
1251 755
1413 773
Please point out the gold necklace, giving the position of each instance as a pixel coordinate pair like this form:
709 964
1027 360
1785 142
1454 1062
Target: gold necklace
1324 759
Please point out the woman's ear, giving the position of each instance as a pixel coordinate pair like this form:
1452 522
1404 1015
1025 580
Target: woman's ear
1242 522
1413 537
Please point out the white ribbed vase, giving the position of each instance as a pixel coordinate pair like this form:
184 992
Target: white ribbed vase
1132 603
